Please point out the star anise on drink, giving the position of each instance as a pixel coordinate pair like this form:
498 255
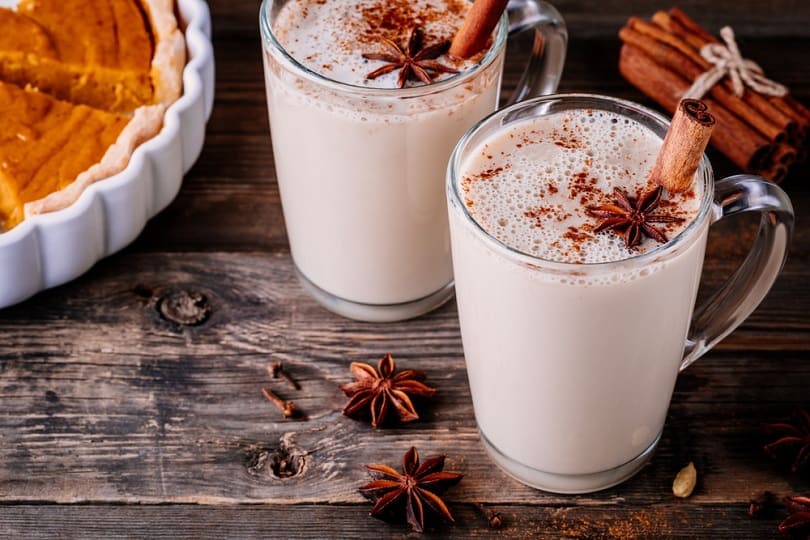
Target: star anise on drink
380 392
798 522
415 490
633 217
792 441
412 60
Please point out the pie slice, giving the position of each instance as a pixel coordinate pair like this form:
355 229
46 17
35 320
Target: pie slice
51 150
82 84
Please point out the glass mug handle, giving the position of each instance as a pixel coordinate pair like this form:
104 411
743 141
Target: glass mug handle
749 284
545 66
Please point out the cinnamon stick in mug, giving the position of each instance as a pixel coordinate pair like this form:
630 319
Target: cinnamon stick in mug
474 33
683 147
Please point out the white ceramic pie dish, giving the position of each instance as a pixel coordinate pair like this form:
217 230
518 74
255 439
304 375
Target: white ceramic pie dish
50 249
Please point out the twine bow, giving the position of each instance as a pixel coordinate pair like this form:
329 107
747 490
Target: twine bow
727 60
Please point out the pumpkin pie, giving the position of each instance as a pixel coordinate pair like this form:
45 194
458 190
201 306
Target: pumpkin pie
82 84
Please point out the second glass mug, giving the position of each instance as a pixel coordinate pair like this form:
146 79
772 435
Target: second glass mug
572 365
361 170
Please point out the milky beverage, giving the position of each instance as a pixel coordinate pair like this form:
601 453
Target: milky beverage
571 366
361 173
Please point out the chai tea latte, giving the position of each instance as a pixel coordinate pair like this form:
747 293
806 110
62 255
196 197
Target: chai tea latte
572 340
361 167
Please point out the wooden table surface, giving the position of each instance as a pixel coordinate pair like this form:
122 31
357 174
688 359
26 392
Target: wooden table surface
117 420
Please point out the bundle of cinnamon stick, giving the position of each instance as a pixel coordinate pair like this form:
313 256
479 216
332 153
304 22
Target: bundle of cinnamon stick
764 135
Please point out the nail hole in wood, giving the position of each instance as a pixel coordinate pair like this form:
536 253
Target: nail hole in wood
184 307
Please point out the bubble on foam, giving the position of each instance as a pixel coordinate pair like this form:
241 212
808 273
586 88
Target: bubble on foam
557 168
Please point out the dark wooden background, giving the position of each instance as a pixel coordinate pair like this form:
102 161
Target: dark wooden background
116 420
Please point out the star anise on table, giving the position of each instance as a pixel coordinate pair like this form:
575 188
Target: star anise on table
792 441
413 60
633 217
415 490
380 392
762 505
797 523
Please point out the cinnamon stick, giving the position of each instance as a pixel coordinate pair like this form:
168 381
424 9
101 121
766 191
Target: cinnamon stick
665 35
783 157
477 27
794 107
669 31
683 146
693 28
775 173
739 142
678 21
783 154
798 108
762 134
639 34
779 108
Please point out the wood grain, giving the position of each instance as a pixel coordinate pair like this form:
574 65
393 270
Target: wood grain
549 521
115 403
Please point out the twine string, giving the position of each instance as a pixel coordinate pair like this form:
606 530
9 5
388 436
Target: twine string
728 61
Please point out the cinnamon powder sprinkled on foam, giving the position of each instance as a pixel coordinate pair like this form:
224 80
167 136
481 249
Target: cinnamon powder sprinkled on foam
329 36
534 194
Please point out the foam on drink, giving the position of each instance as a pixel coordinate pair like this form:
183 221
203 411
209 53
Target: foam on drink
330 36
531 186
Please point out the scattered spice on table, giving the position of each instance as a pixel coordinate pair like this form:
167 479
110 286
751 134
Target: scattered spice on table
412 493
791 441
797 524
287 407
762 505
685 481
494 519
382 393
276 370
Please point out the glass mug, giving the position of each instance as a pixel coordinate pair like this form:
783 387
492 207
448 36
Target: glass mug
572 366
361 170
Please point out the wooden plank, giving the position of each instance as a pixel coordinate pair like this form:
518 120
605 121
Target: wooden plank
115 403
622 520
257 302
210 216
